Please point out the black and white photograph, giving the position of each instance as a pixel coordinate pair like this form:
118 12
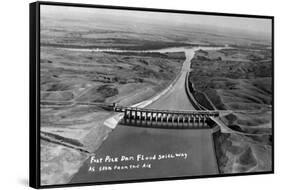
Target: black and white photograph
128 94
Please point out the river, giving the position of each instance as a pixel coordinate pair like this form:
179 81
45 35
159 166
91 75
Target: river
131 141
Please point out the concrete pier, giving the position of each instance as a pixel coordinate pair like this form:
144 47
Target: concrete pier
166 118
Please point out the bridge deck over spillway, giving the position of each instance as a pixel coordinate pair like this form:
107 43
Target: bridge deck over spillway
166 118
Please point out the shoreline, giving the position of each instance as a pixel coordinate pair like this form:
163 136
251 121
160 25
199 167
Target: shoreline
126 49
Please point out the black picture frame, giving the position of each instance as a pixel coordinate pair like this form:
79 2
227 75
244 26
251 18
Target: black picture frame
34 98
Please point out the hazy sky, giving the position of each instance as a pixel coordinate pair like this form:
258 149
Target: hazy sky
254 26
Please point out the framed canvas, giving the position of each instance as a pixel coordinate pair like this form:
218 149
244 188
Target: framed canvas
122 94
